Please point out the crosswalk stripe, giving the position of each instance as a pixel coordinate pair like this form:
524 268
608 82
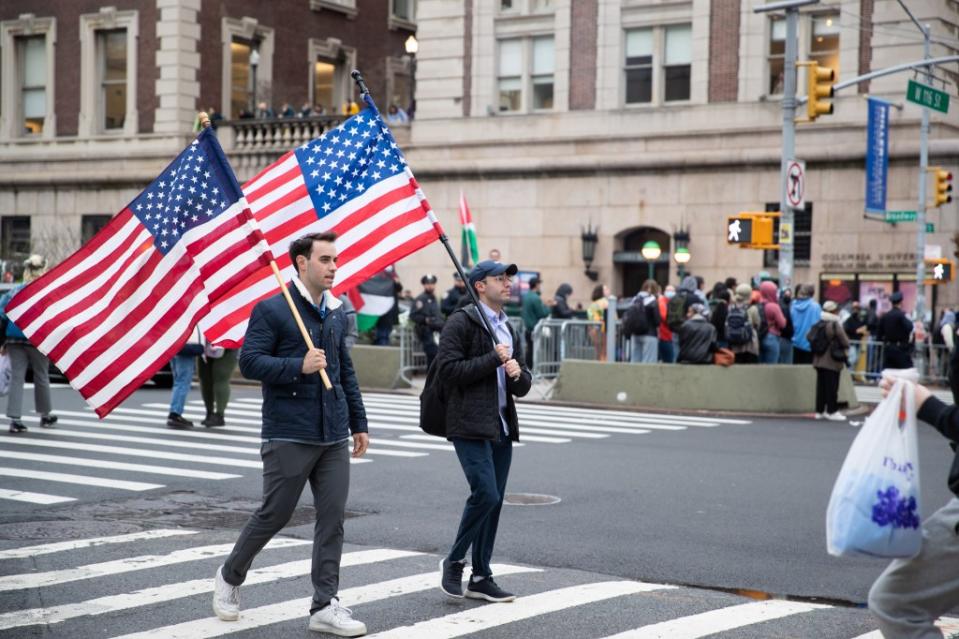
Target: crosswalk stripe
135 452
432 438
33 498
129 564
111 465
483 618
716 621
82 480
171 592
286 610
947 625
143 416
525 424
76 544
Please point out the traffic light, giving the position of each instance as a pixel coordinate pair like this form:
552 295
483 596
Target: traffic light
942 186
940 271
819 81
751 230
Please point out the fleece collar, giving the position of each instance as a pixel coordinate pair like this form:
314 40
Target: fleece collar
332 303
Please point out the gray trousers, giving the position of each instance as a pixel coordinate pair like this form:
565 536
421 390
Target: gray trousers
21 356
912 593
286 469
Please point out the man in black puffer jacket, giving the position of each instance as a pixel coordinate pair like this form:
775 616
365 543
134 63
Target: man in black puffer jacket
481 421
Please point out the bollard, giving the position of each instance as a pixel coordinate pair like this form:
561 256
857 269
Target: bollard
611 320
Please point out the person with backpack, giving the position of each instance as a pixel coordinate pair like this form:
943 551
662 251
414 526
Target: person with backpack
828 344
742 326
560 306
805 312
719 309
641 323
786 336
775 322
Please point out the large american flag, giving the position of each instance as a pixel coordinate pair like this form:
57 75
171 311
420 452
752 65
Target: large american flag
117 310
352 180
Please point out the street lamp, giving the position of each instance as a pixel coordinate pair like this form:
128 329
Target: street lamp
682 258
412 46
589 238
254 63
651 252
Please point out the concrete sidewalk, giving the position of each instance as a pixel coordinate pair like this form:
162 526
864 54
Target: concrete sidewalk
868 394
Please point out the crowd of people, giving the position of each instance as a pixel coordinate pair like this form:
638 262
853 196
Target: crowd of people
395 114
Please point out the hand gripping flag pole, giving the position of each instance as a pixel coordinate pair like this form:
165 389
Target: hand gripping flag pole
205 122
365 92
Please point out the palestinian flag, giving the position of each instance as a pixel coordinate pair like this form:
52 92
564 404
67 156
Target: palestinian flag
469 249
372 299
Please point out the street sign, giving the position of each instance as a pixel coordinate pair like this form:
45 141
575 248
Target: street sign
930 227
928 97
785 232
900 216
796 184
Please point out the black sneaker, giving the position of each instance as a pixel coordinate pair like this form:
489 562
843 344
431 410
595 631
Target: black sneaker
16 426
178 422
451 580
217 419
206 420
48 421
487 590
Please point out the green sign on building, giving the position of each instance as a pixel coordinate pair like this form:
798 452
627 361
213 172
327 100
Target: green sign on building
900 216
928 97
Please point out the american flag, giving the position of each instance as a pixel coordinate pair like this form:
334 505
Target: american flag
118 309
353 181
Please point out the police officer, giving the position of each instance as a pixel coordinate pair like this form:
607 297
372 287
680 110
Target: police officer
453 296
895 330
426 316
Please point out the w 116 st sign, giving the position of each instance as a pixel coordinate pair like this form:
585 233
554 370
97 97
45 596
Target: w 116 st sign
928 97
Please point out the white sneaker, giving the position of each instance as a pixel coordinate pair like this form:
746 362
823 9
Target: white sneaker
337 620
835 417
226 598
820 416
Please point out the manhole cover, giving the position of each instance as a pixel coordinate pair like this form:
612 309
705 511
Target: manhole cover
530 499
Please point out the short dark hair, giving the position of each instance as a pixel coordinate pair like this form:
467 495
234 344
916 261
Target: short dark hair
304 245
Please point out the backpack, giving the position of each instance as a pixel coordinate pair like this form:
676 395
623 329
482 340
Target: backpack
819 341
739 330
676 311
763 329
433 404
635 321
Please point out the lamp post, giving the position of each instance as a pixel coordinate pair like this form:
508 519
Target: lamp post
681 253
651 251
254 63
589 238
412 46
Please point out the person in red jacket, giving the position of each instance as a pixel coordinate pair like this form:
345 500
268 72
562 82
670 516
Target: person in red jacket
667 350
769 343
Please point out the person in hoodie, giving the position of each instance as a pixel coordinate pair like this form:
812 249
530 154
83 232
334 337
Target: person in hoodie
828 368
775 322
561 309
667 350
645 348
912 593
697 337
805 312
786 337
747 353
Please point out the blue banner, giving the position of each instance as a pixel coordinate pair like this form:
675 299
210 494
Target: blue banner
877 155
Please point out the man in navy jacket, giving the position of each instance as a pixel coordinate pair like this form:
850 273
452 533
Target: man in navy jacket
306 430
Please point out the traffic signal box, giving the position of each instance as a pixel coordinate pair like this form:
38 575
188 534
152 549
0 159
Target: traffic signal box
819 81
942 186
940 271
752 230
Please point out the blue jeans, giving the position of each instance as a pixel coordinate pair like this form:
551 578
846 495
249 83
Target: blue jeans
382 335
182 367
785 351
667 354
769 349
486 466
643 349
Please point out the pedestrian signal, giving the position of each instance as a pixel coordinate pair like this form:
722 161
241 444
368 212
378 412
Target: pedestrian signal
940 271
751 230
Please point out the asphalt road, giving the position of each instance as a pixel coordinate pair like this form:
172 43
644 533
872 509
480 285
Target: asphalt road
654 527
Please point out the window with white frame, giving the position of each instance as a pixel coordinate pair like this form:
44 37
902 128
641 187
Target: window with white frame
639 66
242 94
818 36
404 10
677 62
526 6
112 70
526 74
32 71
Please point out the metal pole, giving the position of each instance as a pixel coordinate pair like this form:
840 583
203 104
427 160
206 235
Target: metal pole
611 316
921 208
651 268
789 143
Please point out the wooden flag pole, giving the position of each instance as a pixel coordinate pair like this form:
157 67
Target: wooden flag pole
205 122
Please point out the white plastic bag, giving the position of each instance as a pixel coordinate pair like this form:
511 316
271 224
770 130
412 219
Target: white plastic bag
874 507
4 374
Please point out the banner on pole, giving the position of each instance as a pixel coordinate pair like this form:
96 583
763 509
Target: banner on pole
877 155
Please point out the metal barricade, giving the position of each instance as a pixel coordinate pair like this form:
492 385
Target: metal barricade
412 357
555 340
865 360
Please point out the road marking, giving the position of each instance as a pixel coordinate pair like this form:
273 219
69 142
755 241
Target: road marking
129 564
293 609
485 617
135 452
946 624
82 480
33 498
110 465
172 592
716 621
540 428
45 549
432 438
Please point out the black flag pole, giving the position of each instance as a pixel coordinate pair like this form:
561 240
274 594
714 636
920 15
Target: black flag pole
365 93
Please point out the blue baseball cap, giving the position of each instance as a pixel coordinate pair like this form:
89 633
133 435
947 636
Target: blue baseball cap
486 268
